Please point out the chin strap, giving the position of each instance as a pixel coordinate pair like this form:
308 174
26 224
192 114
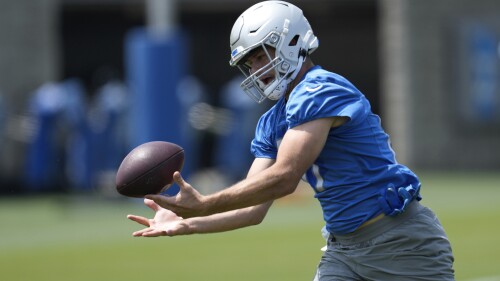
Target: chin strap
302 54
282 85
299 65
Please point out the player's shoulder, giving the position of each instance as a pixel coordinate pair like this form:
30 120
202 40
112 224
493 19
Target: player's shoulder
317 76
318 84
325 94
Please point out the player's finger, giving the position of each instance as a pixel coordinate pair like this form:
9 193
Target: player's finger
148 232
142 220
151 204
161 200
179 179
154 233
139 233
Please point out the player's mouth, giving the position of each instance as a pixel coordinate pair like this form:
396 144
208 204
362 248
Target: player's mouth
267 80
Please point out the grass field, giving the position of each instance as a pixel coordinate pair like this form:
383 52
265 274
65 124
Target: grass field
88 238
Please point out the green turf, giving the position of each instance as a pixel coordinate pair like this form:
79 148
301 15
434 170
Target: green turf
468 206
59 238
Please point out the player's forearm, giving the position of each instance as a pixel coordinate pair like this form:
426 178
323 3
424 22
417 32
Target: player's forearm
227 221
268 185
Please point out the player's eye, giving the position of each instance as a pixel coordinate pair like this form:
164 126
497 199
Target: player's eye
248 64
257 56
260 57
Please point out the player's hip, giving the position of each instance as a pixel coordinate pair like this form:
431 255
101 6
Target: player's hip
395 248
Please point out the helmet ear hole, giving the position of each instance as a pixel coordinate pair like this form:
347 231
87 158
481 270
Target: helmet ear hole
294 40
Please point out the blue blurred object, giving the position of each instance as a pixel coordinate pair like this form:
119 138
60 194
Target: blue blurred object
155 65
244 114
485 72
44 158
76 146
478 70
190 92
98 143
2 131
2 116
109 144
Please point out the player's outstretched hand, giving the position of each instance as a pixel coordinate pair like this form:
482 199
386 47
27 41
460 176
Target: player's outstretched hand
187 203
164 223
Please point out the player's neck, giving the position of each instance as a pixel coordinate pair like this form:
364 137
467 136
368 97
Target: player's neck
308 64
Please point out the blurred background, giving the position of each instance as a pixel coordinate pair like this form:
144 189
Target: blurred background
82 82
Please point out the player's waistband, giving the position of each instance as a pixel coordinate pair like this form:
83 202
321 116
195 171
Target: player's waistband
377 227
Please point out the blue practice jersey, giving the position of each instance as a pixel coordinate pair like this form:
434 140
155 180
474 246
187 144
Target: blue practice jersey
357 161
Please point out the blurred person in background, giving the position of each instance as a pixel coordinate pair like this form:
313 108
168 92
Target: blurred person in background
321 130
2 115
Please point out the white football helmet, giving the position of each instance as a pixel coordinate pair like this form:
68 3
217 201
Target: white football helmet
279 25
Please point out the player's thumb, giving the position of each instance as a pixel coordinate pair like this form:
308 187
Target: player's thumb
180 180
151 204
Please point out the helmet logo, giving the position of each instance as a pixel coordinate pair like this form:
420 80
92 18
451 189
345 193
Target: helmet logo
236 51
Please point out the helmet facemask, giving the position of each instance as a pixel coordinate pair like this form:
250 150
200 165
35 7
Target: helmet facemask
253 85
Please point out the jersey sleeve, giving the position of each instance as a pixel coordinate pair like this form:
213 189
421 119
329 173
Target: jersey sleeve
313 101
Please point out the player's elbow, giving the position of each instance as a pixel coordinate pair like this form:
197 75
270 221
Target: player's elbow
256 220
287 189
289 179
258 213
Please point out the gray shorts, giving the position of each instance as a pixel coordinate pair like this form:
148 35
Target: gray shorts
410 246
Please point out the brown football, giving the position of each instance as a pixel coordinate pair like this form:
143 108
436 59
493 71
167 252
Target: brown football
149 168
